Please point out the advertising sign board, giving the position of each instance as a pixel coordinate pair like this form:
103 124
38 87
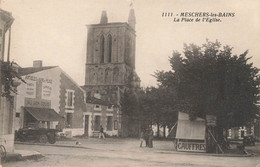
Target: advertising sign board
191 146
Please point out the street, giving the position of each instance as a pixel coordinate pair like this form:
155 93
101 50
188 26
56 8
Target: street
126 153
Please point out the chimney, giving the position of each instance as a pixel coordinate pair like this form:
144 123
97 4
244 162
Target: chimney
37 63
103 19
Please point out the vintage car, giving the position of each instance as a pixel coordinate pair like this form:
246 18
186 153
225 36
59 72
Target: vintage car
41 135
249 140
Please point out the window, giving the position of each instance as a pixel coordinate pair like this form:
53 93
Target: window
115 125
109 122
110 108
69 98
17 115
109 48
97 95
102 49
68 120
97 107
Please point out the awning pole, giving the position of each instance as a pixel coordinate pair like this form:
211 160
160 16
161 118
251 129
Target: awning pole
216 142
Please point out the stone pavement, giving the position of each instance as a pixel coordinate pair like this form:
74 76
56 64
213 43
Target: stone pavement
114 144
19 155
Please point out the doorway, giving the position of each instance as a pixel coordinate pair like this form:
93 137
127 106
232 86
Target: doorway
97 123
86 125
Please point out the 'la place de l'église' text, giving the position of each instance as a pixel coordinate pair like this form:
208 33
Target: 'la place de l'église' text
209 17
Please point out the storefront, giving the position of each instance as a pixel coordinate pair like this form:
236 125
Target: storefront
50 99
40 117
190 135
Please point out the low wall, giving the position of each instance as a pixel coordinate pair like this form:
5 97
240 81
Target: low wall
112 133
8 142
73 132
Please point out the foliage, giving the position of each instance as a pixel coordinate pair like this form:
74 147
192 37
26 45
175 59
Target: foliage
8 75
156 106
209 79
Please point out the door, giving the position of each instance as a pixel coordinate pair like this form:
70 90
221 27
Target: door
97 123
86 125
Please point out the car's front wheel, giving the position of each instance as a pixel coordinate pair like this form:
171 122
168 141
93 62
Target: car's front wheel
51 139
43 139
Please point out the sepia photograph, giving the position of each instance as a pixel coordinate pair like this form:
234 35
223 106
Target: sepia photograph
129 83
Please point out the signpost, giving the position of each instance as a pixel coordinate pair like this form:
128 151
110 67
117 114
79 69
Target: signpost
211 120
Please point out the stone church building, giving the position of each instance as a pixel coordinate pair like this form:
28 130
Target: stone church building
110 63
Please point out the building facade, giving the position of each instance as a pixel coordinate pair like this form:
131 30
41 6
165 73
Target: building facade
49 90
100 113
6 104
51 99
110 63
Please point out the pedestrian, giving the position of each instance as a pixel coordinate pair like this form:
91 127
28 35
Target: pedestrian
146 137
150 136
142 139
101 132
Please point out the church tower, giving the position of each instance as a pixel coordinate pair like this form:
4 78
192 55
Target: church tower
110 63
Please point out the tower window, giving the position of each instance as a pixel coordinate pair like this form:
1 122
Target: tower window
102 49
109 48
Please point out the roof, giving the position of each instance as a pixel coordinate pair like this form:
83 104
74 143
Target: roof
30 70
44 114
94 100
7 17
193 130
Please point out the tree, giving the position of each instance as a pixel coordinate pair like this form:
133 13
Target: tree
156 107
209 79
10 79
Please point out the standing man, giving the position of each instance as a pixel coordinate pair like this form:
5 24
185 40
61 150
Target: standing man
150 136
141 137
146 137
101 132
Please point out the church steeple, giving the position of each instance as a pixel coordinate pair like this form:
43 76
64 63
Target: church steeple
131 18
103 19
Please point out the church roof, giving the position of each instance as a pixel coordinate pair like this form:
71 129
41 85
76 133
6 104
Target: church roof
30 70
94 100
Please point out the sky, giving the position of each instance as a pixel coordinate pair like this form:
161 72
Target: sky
55 32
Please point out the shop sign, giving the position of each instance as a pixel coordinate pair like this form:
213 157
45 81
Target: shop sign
38 86
191 146
30 89
39 79
46 91
211 120
38 103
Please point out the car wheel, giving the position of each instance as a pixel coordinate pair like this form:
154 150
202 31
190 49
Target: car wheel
51 139
43 139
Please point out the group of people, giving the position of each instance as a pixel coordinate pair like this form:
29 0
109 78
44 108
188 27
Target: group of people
147 137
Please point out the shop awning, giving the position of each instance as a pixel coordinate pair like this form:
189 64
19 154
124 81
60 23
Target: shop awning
43 114
191 130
